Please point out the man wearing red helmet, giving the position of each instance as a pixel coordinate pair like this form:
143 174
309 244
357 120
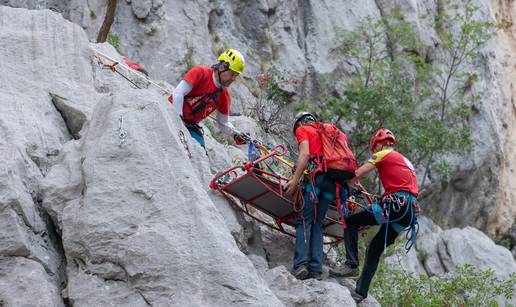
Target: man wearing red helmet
394 211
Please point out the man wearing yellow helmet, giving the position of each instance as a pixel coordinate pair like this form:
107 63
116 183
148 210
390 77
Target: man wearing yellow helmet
204 90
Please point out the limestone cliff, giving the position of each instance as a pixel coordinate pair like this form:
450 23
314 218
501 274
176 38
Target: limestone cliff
99 204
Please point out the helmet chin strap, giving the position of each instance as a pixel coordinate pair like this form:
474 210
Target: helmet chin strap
385 144
217 67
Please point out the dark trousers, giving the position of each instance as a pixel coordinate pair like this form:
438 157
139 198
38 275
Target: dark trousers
376 247
309 229
197 133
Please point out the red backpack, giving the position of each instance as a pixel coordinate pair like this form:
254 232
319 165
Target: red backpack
338 161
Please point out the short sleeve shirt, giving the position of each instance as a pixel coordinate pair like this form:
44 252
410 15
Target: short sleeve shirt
201 80
309 133
396 172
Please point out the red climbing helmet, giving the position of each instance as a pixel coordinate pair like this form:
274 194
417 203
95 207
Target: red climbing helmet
380 135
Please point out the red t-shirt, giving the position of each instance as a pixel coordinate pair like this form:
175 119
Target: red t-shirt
396 172
310 134
201 80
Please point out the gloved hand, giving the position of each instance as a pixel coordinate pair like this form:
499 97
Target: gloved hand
355 191
240 138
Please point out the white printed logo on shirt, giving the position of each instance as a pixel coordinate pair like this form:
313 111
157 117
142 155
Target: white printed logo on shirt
408 163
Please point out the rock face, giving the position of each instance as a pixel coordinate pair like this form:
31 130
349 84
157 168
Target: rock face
505 12
446 249
148 234
24 282
40 53
99 204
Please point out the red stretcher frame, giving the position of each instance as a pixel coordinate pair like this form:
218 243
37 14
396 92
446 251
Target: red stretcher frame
261 191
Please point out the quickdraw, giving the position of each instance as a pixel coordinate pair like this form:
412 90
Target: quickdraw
112 67
122 134
395 201
185 144
102 58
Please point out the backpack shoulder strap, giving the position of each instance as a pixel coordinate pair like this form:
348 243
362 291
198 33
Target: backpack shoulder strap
215 95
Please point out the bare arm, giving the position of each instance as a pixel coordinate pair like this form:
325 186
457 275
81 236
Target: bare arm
302 162
364 169
361 171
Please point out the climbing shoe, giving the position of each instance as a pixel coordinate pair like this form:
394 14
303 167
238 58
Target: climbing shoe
301 272
315 275
345 271
357 296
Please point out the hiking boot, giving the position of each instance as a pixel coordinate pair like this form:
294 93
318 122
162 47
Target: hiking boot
315 275
357 296
301 272
345 271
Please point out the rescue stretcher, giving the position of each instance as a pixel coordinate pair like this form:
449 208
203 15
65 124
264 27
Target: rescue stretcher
259 194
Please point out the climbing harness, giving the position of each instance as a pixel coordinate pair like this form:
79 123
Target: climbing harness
197 133
395 202
200 103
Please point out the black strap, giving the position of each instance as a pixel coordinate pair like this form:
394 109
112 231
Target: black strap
201 103
195 127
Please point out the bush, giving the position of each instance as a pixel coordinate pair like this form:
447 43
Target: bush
270 109
466 286
114 40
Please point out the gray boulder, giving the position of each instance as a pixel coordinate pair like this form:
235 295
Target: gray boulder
24 282
311 292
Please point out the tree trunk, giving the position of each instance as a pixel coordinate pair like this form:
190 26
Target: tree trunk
108 21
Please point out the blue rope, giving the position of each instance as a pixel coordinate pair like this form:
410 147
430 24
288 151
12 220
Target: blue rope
386 230
411 235
394 221
412 228
251 149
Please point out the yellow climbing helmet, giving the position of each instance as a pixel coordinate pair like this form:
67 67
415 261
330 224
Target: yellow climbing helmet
234 59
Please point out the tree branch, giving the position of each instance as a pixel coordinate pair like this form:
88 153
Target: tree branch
108 21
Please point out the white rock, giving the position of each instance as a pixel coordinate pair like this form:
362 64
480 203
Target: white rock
24 282
141 8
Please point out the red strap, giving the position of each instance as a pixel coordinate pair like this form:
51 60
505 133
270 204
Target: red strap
111 66
339 204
